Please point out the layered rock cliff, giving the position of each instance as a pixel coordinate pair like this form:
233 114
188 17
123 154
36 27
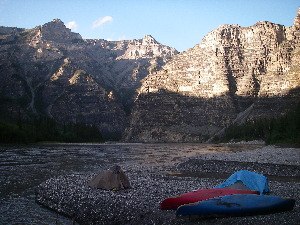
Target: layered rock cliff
52 71
235 73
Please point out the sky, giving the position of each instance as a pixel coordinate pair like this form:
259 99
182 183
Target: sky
180 24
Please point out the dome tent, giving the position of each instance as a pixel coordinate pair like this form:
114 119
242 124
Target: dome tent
111 179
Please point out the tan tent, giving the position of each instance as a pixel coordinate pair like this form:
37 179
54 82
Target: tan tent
111 179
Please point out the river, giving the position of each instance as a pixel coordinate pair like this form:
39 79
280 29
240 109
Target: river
25 167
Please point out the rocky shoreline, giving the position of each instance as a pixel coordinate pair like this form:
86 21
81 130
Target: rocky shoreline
71 196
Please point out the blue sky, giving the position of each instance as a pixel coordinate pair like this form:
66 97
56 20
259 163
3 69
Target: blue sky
178 23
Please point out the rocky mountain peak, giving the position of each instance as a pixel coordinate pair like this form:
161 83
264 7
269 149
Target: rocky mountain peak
297 20
58 32
57 21
147 47
149 40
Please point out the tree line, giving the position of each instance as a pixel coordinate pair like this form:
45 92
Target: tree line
283 130
42 129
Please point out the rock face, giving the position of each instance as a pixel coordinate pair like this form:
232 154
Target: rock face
235 73
52 71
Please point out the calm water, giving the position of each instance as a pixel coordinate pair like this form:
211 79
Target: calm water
24 167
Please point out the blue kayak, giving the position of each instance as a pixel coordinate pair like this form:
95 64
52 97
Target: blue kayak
236 205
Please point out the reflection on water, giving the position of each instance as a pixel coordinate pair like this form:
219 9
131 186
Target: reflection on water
24 167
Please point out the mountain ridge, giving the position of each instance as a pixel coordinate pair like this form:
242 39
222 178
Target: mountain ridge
208 86
145 91
56 73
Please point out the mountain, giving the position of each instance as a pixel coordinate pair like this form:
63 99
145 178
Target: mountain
234 74
51 71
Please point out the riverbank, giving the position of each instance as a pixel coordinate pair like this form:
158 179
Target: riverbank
140 205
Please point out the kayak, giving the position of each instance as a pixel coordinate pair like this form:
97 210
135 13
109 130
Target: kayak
237 205
200 195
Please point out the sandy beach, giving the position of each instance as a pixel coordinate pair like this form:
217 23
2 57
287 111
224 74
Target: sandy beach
71 196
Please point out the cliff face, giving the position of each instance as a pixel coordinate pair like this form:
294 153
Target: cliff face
235 73
52 71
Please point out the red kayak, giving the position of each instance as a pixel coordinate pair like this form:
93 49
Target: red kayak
200 195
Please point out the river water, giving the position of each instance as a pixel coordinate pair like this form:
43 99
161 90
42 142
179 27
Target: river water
22 168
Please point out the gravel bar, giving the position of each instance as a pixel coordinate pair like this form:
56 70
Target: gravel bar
71 196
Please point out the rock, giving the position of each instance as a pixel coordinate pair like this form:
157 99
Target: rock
234 71
52 71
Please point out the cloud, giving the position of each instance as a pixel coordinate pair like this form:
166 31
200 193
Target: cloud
72 25
99 22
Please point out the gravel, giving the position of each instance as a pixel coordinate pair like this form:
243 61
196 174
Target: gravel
267 154
71 196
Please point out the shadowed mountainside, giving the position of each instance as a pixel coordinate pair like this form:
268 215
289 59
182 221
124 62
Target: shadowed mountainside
51 71
234 74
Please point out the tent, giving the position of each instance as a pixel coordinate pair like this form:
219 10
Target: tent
111 179
246 179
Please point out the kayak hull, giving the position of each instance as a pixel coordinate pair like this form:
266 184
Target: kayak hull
237 205
200 195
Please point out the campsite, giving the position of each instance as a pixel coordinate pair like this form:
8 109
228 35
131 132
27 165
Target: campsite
150 185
